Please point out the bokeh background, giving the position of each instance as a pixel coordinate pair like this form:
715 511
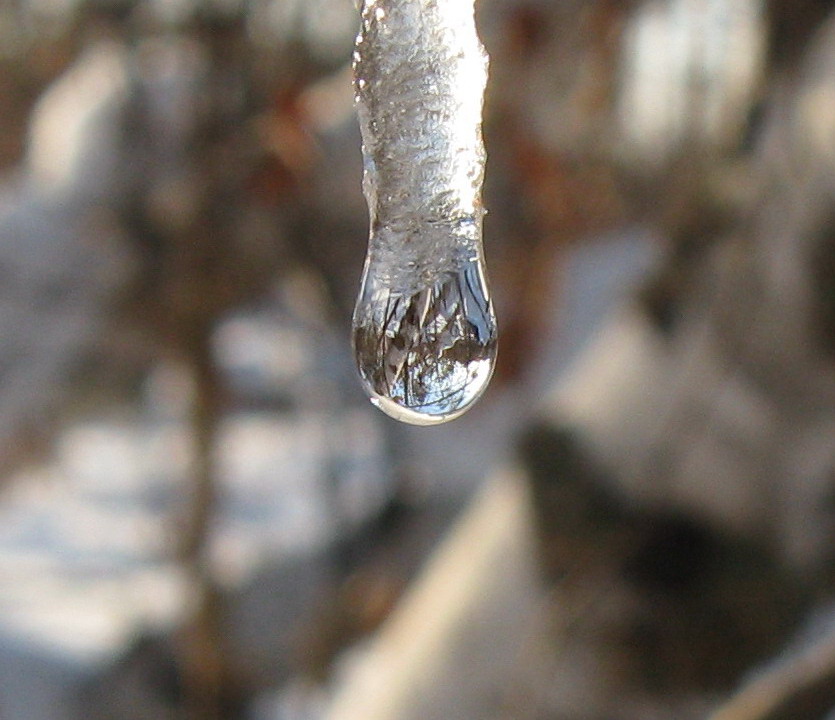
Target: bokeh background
202 517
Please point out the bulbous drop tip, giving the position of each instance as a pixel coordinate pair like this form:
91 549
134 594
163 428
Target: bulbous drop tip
425 357
440 411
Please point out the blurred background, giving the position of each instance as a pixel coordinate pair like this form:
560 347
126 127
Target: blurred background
202 517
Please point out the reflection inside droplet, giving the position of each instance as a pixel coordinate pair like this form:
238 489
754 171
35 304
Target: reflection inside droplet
425 356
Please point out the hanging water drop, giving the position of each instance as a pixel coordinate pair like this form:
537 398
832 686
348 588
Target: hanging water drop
424 330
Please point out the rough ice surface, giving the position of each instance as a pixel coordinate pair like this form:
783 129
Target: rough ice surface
424 328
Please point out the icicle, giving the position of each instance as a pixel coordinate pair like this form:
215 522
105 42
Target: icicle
424 330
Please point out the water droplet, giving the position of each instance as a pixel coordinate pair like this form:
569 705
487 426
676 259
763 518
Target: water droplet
426 355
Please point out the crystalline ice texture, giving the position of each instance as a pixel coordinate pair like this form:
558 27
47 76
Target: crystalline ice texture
424 328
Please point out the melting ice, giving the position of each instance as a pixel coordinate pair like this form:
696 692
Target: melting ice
424 330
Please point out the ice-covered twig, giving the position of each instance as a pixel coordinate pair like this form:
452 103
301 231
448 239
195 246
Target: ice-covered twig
424 329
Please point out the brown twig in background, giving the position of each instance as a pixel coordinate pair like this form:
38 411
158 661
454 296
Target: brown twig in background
202 664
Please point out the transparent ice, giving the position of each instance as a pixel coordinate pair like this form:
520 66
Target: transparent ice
424 330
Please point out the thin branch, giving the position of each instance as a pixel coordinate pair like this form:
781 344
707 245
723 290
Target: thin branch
202 661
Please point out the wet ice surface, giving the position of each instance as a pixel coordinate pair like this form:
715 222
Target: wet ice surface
424 328
420 75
